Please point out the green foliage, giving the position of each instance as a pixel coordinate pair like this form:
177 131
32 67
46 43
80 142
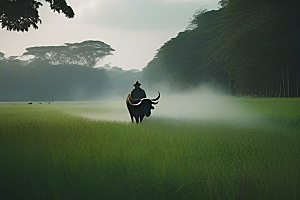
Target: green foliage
252 42
258 41
183 60
19 15
46 154
284 111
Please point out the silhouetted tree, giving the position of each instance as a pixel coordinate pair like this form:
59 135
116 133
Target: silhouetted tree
86 53
1 56
19 15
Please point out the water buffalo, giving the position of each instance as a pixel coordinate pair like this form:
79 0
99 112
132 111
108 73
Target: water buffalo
138 108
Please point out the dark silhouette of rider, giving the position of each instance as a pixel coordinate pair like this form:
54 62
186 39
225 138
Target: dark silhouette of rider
137 92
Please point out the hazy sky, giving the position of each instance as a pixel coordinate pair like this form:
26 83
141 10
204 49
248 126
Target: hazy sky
134 28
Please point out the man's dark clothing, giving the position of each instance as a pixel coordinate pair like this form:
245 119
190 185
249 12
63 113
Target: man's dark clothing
138 93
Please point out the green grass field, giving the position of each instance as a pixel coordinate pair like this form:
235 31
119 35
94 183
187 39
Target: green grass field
52 152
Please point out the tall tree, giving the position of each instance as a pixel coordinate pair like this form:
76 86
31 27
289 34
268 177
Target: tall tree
254 42
86 53
19 15
258 42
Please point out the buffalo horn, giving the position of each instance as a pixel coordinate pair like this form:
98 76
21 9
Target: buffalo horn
136 103
156 98
154 102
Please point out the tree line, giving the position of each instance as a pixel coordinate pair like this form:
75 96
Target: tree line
63 73
249 47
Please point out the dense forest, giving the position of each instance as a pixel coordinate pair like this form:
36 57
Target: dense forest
247 47
250 47
63 73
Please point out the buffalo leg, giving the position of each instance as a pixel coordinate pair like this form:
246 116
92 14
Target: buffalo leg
136 119
132 118
141 118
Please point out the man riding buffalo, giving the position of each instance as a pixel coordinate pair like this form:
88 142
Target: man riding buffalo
138 105
137 92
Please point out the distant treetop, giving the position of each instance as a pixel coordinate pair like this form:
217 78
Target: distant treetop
86 53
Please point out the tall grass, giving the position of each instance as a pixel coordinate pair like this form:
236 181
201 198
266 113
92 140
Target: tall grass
46 154
283 111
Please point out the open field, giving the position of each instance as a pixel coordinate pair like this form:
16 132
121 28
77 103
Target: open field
71 150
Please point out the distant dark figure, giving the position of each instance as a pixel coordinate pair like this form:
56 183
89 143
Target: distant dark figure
40 103
49 102
30 103
138 105
137 92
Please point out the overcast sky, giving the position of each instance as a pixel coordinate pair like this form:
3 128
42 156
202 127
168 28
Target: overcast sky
134 28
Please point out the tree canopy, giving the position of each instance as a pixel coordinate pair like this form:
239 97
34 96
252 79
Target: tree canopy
86 53
253 42
19 15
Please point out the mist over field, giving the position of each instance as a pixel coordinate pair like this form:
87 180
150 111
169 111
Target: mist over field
204 102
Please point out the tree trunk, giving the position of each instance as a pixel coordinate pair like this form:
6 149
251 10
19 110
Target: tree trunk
283 84
297 77
280 90
297 58
288 77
